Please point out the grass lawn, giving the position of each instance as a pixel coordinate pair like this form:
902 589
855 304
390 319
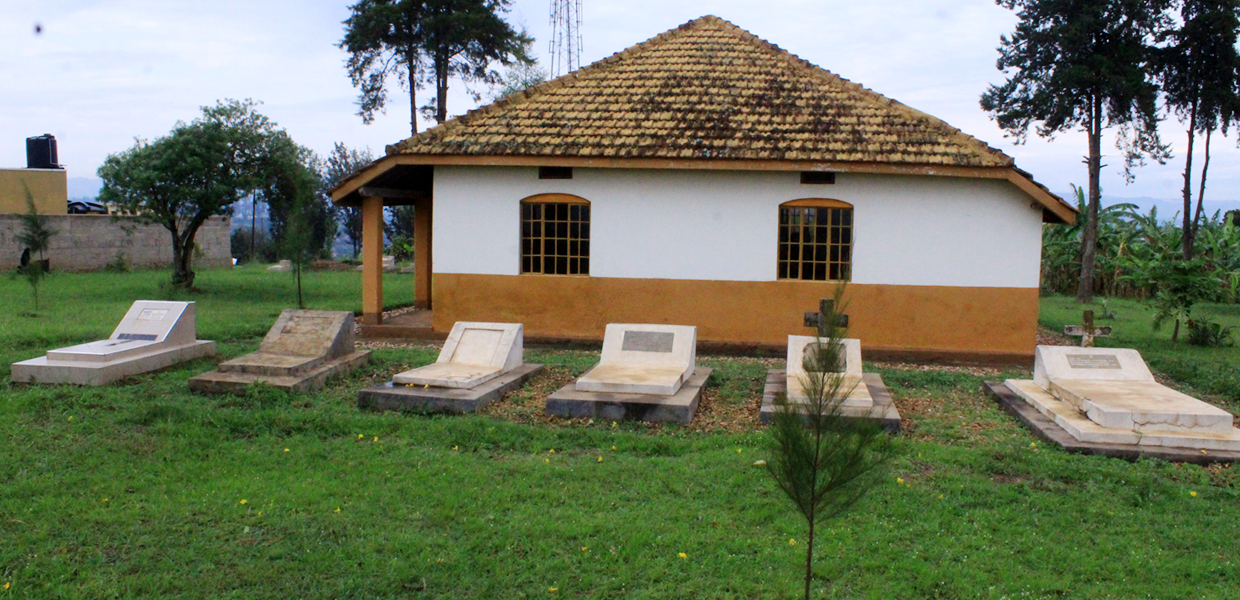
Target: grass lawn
141 489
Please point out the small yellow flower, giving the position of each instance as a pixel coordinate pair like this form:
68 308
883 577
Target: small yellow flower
613 447
551 451
376 439
71 418
286 449
899 480
683 555
242 501
1033 444
940 496
553 589
613 423
105 499
260 513
1203 451
454 447
1193 494
547 460
6 585
360 436
792 542
337 509
583 548
600 459
426 386
738 450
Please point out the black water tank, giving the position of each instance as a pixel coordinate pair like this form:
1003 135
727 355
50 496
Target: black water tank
41 152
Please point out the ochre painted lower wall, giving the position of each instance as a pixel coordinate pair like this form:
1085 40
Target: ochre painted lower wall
919 320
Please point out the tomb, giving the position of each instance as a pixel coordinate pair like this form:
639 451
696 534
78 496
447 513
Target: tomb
479 363
300 352
646 372
1105 400
151 336
867 398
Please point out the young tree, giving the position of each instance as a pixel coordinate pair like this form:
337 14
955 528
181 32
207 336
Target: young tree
462 39
291 188
36 236
385 38
340 164
519 77
1081 64
1200 70
822 460
195 172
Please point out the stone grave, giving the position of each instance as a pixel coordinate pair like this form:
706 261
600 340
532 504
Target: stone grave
300 352
867 398
479 363
646 372
1105 400
151 336
283 266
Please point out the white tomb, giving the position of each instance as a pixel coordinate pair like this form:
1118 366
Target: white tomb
643 359
799 348
153 335
474 353
1108 395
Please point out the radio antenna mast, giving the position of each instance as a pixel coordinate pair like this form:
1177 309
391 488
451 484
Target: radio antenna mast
565 36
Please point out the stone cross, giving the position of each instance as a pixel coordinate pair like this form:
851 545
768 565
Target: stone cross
825 306
1087 331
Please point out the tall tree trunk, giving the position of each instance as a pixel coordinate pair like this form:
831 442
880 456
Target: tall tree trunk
441 89
1089 238
411 64
1201 191
1186 235
182 255
809 558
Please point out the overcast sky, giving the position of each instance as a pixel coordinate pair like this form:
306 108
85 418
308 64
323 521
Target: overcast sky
103 72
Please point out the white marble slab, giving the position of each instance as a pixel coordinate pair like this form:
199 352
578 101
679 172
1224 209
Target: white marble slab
799 347
473 354
1098 364
643 359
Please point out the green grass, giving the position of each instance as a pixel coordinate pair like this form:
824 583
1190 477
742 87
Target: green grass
135 490
1210 371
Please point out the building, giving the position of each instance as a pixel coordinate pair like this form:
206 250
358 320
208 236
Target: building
707 177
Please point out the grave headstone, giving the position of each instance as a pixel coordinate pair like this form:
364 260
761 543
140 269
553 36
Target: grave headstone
479 363
799 348
151 336
645 372
1109 395
643 359
283 266
299 353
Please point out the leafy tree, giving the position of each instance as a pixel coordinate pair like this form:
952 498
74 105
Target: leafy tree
1081 64
340 164
1199 71
36 236
822 460
195 172
447 38
519 77
385 38
463 38
291 190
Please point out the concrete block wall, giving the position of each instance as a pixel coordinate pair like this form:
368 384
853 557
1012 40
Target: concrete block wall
90 242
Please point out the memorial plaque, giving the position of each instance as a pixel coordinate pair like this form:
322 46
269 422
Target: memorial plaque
1093 361
648 341
152 314
142 337
303 325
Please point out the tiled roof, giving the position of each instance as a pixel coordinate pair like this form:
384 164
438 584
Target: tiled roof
705 90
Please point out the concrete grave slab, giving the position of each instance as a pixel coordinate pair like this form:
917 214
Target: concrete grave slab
643 359
571 402
1109 396
799 347
473 354
1080 435
883 410
479 363
299 353
152 335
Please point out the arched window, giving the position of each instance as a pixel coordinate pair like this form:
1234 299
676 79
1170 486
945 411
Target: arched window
815 240
555 235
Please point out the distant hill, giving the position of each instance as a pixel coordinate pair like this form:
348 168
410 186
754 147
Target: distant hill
84 187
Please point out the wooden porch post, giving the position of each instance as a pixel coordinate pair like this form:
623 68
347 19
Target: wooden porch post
372 260
422 259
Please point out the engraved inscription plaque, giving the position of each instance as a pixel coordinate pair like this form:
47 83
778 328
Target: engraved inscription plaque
648 341
141 337
152 314
1093 361
301 325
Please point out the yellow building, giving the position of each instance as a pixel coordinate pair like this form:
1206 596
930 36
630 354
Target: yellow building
49 188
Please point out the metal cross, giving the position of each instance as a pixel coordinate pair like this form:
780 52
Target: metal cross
1087 331
825 305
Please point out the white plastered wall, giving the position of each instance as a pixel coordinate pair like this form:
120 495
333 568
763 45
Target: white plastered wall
723 225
